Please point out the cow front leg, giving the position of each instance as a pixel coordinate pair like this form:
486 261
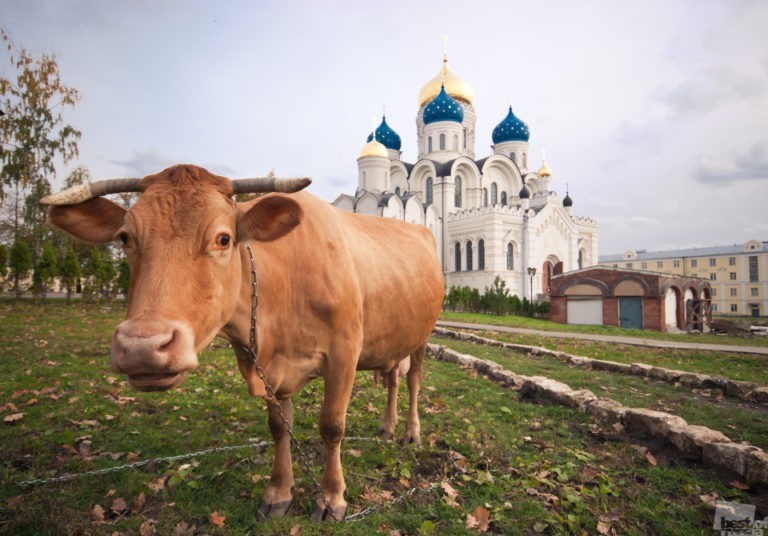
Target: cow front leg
389 420
279 493
413 426
333 413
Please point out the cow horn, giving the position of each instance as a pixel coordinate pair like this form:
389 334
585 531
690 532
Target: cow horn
84 192
269 184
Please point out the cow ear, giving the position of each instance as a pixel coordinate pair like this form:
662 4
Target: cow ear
269 218
96 220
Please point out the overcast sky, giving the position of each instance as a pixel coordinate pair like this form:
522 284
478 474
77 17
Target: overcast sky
655 113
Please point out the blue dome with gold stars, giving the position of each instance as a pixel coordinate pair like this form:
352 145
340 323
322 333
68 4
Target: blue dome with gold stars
443 108
385 135
510 129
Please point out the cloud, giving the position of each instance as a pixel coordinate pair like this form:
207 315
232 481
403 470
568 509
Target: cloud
749 165
147 162
707 90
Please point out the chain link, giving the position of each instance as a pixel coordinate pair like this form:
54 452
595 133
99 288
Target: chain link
270 393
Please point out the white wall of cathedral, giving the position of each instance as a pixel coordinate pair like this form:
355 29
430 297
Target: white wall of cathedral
443 140
373 173
517 151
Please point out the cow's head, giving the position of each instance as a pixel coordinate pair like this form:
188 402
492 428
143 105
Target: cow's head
181 240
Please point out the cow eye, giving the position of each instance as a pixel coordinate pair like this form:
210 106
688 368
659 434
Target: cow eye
223 240
123 238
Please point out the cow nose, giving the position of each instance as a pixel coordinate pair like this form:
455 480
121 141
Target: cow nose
141 346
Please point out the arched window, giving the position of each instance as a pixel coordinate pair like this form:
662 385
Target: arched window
525 160
430 192
442 142
469 255
429 144
494 193
481 254
397 190
457 192
504 199
465 138
485 197
512 157
455 143
457 255
581 259
510 256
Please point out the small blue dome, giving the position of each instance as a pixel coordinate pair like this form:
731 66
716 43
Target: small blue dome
567 202
443 108
385 135
524 193
510 129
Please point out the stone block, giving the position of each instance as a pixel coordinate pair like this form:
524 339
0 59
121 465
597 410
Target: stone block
738 388
606 410
611 366
575 398
693 379
757 466
731 456
640 369
759 395
579 361
690 439
665 375
652 423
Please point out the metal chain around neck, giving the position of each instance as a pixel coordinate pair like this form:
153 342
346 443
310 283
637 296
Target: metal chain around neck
270 393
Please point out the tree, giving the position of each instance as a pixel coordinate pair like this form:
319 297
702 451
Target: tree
45 270
69 271
3 264
496 298
124 277
20 263
32 130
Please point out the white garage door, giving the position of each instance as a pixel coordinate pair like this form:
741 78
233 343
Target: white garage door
585 311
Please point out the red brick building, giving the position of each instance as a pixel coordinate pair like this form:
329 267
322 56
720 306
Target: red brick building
630 299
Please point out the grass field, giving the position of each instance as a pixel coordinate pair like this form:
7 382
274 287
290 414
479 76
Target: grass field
490 461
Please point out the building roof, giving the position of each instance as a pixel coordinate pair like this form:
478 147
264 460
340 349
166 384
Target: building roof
711 251
511 128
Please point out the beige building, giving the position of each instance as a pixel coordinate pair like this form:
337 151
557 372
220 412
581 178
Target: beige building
738 274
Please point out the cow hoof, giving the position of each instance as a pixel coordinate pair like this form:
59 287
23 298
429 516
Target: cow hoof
385 434
273 510
322 513
412 439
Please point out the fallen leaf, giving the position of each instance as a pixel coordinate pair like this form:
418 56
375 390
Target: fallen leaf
739 485
651 458
450 495
32 402
159 484
295 530
138 504
13 418
110 493
354 452
119 506
18 393
14 502
372 408
97 513
479 519
218 519
147 528
603 528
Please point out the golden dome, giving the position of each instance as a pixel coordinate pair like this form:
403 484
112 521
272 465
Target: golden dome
374 148
454 86
544 170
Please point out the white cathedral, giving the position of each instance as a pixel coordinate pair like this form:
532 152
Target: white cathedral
489 216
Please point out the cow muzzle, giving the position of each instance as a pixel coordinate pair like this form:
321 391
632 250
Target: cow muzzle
155 354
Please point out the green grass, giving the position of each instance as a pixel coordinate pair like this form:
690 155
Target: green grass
531 467
547 325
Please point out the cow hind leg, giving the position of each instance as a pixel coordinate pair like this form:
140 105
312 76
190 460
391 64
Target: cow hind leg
389 420
413 426
279 493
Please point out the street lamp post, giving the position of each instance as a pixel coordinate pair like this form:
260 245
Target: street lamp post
531 273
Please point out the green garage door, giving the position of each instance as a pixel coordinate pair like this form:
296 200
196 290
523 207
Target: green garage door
631 312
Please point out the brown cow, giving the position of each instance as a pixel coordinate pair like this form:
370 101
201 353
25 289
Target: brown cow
337 292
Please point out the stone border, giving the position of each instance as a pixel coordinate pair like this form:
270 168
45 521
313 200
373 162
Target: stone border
693 441
747 391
